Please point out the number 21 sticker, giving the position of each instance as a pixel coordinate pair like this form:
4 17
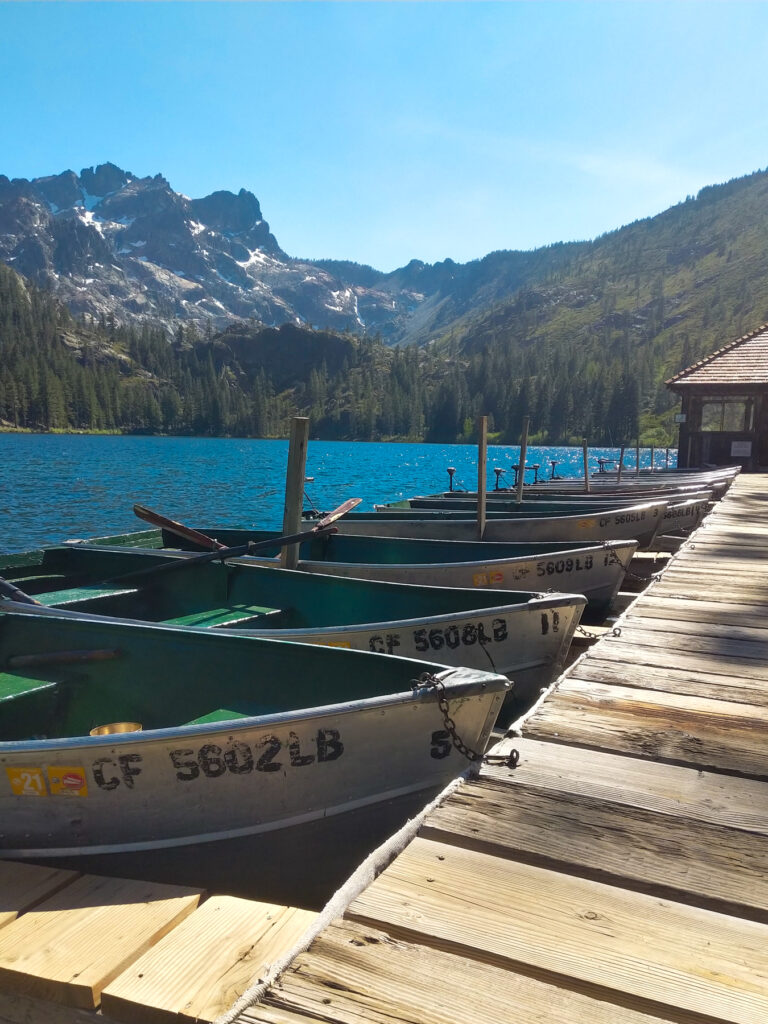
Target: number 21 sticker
27 781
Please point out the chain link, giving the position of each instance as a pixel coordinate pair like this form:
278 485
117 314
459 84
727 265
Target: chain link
616 631
606 545
432 682
585 632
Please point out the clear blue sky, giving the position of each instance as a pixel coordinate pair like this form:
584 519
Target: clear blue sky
380 132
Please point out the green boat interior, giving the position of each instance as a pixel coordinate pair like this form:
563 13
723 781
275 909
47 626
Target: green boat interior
63 677
114 582
352 549
379 550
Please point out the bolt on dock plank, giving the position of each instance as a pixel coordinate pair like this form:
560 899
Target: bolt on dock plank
620 872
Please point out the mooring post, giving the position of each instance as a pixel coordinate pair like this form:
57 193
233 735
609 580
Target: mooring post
482 456
621 465
521 460
653 457
586 465
637 458
294 488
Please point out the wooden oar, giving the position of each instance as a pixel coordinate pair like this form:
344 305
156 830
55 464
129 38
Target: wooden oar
12 592
150 516
178 528
321 528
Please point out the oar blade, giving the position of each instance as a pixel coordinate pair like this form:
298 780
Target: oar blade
202 539
337 513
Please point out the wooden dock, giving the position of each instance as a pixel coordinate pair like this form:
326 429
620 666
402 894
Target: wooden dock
144 953
618 875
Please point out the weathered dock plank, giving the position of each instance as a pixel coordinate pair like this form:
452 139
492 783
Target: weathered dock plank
685 678
666 604
658 655
665 789
695 731
733 642
680 858
506 913
356 973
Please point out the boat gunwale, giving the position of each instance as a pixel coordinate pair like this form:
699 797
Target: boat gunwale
258 561
449 515
536 601
479 681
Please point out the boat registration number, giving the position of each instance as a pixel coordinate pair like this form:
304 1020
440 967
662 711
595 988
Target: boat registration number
560 565
436 639
270 754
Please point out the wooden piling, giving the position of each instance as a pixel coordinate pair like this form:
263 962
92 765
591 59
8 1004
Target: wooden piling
294 488
482 458
586 465
521 460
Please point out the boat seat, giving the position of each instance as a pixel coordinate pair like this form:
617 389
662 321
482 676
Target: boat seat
13 685
57 598
213 617
219 715
48 577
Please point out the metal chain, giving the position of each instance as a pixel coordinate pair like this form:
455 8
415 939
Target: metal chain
432 682
606 545
585 632
582 631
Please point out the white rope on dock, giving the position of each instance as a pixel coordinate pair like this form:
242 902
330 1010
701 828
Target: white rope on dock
360 879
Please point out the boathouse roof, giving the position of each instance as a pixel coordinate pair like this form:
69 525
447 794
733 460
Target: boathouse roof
744 361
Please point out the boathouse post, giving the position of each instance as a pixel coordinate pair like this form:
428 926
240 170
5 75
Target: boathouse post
521 460
294 488
586 465
621 465
653 457
637 458
482 457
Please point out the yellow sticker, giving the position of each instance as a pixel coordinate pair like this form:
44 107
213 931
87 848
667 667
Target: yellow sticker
67 780
338 643
586 524
27 781
487 579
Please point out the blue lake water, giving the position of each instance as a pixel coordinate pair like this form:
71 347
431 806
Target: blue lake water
57 486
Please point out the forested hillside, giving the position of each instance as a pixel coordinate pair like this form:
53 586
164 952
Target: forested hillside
583 350
57 374
587 352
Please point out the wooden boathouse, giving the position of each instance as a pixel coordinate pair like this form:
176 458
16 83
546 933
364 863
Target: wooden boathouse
724 415
617 875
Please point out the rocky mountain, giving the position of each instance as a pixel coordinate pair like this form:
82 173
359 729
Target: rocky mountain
114 245
579 337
